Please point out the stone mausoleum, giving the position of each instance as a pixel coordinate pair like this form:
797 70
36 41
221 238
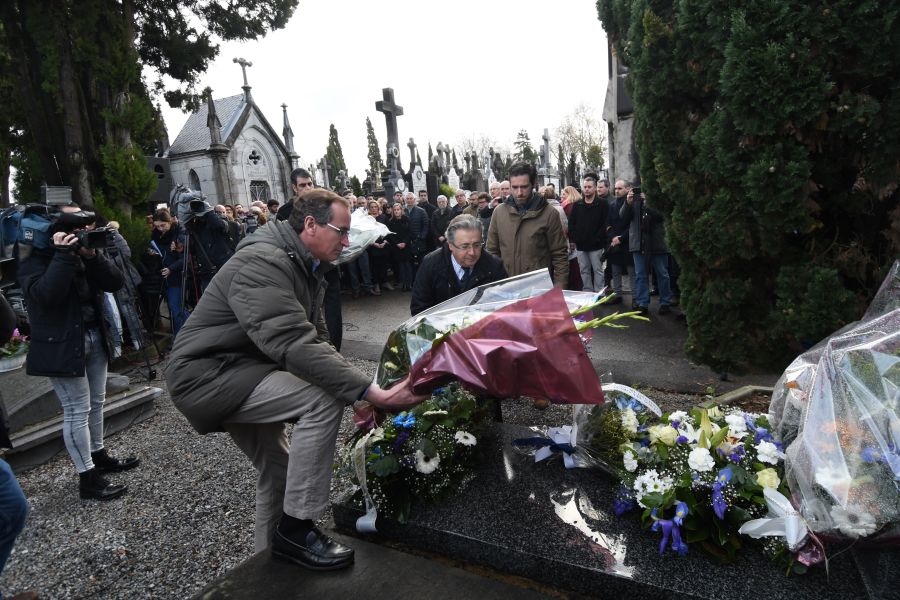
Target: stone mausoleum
230 152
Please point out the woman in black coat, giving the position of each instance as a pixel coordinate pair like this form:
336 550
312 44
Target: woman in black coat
379 253
71 342
399 243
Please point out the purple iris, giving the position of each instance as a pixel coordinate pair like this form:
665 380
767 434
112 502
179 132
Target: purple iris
624 501
724 476
670 530
737 454
681 511
719 504
762 435
681 439
404 435
870 455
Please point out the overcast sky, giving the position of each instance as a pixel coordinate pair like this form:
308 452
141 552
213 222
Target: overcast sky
462 69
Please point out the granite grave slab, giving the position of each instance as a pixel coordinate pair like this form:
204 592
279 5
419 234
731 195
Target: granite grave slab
557 527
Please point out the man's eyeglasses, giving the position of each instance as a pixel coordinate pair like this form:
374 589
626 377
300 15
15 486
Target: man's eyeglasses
344 233
467 247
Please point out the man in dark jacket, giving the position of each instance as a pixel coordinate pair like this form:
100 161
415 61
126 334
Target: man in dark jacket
207 242
587 230
456 267
255 354
441 219
617 256
647 244
418 229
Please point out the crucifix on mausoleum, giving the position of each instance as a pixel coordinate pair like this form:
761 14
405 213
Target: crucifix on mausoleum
392 179
244 64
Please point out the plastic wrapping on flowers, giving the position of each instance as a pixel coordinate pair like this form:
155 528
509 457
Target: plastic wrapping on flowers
836 410
364 231
424 454
411 340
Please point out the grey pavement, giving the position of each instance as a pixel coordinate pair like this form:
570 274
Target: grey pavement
644 355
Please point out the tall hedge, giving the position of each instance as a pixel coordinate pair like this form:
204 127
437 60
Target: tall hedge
769 134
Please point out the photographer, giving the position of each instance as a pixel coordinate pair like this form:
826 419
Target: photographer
71 340
165 256
647 244
206 239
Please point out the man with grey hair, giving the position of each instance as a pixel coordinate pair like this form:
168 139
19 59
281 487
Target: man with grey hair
460 265
441 219
255 355
418 229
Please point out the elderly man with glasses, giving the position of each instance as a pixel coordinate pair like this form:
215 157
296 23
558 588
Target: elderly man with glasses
459 265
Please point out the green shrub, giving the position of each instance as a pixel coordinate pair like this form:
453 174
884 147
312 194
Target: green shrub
768 132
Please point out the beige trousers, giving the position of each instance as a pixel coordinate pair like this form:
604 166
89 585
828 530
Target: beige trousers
295 478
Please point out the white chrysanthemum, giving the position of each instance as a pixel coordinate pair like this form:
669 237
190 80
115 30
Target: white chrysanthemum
678 415
768 452
650 482
426 465
429 413
629 421
630 461
465 438
701 460
853 521
737 427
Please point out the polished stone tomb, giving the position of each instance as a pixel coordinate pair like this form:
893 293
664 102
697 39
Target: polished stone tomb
557 527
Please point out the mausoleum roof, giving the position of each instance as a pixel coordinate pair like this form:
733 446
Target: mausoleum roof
194 136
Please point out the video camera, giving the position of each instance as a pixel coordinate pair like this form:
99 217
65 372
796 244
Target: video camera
187 204
40 221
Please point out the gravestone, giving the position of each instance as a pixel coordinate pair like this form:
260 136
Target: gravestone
556 526
453 179
419 183
433 185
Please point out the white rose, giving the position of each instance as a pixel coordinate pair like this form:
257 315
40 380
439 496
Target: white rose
663 433
700 460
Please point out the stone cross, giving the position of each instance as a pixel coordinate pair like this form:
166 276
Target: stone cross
391 111
546 152
244 64
412 151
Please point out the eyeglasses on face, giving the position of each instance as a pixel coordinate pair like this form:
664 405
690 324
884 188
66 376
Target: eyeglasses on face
467 247
344 233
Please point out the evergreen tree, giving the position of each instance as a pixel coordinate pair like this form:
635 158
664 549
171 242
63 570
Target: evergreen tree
524 150
768 134
334 156
374 149
77 76
356 186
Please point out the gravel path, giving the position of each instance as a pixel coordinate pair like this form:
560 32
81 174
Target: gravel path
186 520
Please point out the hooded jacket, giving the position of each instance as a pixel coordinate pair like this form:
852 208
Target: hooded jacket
262 312
529 240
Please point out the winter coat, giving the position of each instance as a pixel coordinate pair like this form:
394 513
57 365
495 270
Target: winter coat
531 240
209 243
418 223
262 312
55 284
170 259
646 231
440 221
400 229
436 278
7 327
587 225
381 252
617 227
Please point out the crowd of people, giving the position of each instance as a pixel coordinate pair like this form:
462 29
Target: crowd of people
272 356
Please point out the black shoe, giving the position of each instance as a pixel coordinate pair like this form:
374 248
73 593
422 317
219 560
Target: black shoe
644 310
104 463
317 551
616 300
93 486
664 309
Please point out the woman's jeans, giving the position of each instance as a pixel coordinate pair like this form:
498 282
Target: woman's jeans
13 510
82 403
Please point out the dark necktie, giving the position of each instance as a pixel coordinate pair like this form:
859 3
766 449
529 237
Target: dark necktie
467 275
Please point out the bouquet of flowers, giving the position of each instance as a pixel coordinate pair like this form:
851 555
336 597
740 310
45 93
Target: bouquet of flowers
16 346
836 410
517 337
699 476
364 231
420 455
